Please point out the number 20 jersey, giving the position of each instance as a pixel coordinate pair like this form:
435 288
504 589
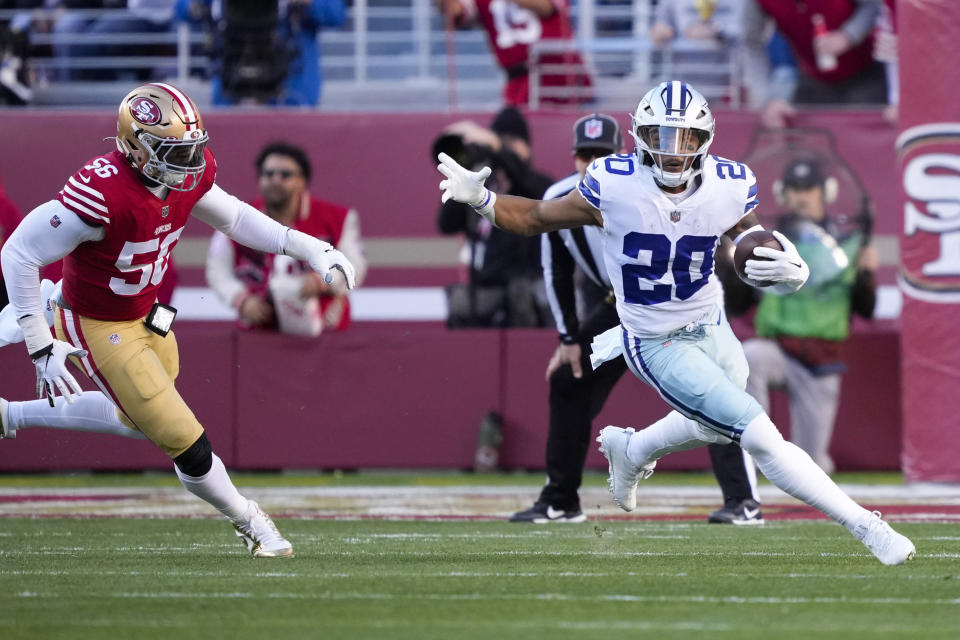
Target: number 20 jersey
660 254
117 277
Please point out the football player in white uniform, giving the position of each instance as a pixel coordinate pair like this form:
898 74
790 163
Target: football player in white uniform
662 212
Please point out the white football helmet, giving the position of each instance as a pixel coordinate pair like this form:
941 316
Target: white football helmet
673 128
160 131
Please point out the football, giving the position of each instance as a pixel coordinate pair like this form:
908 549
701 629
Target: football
744 252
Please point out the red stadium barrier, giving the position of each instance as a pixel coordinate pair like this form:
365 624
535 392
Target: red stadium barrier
929 161
407 396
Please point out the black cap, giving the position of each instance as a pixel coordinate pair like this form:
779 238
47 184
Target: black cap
804 172
510 122
597 131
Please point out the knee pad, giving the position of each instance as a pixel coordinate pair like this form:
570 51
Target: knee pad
197 459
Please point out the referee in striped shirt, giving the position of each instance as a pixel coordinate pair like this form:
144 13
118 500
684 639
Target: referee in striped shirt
577 392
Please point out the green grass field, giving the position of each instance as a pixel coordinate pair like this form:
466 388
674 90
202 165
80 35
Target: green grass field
170 577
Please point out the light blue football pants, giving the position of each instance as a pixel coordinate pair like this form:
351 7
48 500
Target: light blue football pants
700 370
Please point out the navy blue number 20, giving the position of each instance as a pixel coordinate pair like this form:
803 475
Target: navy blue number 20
659 247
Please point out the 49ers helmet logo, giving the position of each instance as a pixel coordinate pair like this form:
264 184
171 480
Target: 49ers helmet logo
145 111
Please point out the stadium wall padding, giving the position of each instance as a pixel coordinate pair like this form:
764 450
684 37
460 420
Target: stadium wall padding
929 171
408 395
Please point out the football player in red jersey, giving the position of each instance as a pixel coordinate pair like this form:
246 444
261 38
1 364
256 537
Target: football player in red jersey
512 26
114 224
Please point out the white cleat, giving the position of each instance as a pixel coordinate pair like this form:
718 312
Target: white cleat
261 536
624 474
6 429
889 546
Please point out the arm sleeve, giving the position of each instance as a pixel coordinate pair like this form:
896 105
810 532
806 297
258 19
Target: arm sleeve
219 271
859 25
351 246
558 267
238 220
36 242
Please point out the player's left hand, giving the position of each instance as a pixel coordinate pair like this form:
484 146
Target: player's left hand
462 184
327 259
782 267
52 372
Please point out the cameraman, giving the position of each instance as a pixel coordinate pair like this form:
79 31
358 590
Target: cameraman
505 286
799 343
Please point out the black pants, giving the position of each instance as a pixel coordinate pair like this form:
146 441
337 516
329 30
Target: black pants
574 403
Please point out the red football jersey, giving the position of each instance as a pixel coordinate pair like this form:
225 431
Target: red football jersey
317 218
511 30
118 277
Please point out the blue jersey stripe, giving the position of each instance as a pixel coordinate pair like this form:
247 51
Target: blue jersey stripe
751 205
752 191
586 193
592 183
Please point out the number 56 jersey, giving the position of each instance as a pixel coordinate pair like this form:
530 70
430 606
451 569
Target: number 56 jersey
659 254
117 277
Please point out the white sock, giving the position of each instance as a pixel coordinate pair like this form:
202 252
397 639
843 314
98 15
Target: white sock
790 468
91 411
216 487
673 432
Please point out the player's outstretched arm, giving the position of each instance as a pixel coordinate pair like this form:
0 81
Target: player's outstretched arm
512 213
241 222
785 268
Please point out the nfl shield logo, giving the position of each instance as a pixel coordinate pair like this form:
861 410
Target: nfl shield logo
114 338
165 211
55 221
674 216
593 129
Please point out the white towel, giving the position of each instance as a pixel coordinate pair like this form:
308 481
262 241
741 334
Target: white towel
606 346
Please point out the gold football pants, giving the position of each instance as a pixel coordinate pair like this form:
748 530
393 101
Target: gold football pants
135 368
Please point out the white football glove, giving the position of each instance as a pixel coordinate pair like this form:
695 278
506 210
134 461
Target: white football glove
329 259
785 268
466 186
320 255
52 372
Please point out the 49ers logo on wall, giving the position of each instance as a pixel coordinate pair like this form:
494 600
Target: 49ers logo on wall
930 250
145 111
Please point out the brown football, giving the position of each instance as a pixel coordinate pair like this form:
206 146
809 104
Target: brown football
744 252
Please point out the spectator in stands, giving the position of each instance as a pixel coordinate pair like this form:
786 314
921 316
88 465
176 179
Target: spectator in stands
716 20
517 25
577 391
885 51
276 292
832 44
284 60
800 337
504 286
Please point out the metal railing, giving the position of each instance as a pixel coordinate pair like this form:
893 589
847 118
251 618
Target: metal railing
401 49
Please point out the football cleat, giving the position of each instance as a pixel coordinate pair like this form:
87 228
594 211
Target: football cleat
889 546
624 474
542 513
261 536
738 512
6 429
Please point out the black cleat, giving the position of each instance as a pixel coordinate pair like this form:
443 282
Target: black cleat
737 512
542 513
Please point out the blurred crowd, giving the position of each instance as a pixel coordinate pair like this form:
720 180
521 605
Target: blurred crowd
793 53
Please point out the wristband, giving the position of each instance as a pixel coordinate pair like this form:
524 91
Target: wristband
566 338
485 209
36 335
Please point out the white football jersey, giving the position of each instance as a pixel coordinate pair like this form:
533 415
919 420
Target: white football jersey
660 255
